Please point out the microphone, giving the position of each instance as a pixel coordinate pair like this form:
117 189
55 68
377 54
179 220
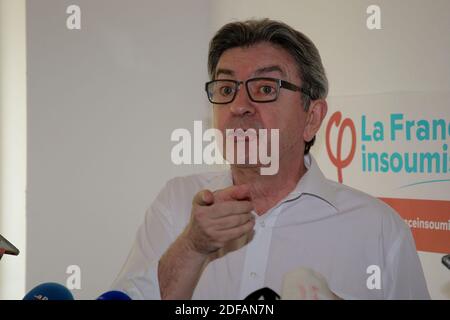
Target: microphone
306 284
114 295
446 261
49 291
263 294
7 247
300 284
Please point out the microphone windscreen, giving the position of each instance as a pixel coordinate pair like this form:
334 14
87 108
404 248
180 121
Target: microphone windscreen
306 284
114 295
49 291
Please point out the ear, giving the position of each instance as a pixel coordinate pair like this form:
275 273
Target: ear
315 115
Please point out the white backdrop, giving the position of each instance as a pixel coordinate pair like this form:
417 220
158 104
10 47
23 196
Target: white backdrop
13 108
102 103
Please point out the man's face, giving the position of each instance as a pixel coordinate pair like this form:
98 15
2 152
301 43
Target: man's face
286 113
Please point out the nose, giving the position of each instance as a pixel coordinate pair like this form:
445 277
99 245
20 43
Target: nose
242 105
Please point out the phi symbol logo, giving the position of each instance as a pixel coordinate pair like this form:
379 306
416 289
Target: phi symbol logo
339 161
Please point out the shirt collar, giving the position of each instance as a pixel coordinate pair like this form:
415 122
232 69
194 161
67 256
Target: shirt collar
314 183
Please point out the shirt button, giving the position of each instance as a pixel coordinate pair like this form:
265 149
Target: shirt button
262 224
253 274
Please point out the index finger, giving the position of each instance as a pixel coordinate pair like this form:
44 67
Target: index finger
238 192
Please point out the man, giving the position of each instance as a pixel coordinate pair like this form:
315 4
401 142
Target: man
225 235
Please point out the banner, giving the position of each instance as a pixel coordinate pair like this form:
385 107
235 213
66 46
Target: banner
395 146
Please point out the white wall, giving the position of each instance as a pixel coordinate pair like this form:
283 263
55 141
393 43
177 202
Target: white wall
12 144
102 103
409 53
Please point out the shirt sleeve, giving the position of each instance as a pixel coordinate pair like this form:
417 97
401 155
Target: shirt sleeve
139 276
403 277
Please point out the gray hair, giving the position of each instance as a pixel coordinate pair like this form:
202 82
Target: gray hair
299 46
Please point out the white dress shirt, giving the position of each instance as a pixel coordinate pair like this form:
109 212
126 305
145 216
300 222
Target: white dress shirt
321 225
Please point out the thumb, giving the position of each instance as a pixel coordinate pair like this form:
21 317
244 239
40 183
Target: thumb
203 198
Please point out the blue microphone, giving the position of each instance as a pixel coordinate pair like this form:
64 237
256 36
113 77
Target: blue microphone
114 295
49 291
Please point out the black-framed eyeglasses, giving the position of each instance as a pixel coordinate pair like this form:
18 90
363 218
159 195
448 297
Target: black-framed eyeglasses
260 90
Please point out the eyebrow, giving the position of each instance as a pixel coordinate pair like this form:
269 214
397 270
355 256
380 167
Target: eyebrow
270 69
259 71
227 72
